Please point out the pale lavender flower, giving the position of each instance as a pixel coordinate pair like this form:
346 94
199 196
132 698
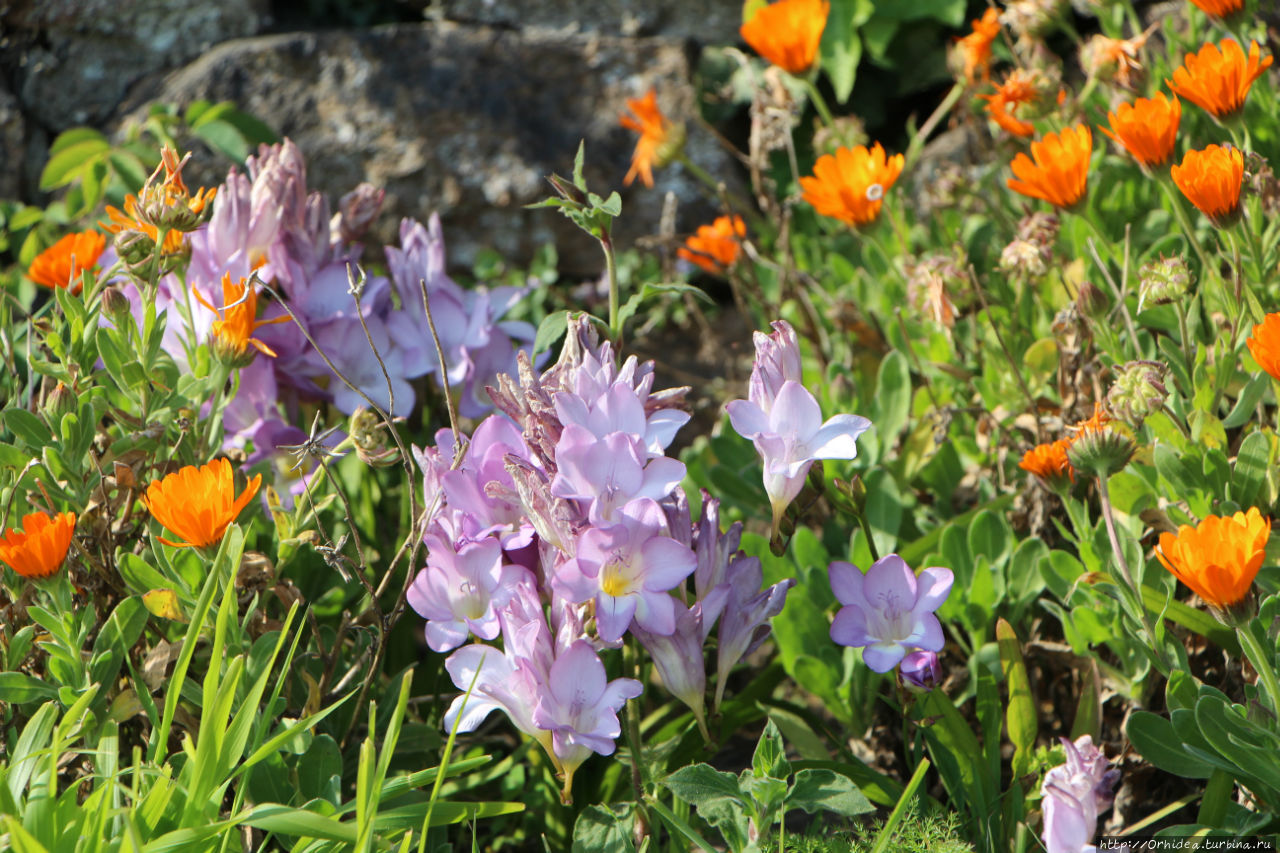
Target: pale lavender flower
679 656
347 345
744 625
608 472
777 361
628 568
460 592
888 611
920 671
580 707
790 436
1074 794
503 681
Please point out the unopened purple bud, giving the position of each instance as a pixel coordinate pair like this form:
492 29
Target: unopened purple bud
920 671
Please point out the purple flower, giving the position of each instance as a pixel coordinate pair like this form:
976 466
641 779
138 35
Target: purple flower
790 436
744 625
920 671
610 471
504 682
679 656
628 568
777 361
459 592
1074 794
580 707
888 610
347 346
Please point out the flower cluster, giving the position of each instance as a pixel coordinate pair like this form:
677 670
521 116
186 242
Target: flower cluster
1074 794
559 527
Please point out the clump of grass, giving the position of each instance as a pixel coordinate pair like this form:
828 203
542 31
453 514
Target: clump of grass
934 833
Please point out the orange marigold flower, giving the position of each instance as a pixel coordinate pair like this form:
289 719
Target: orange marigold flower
1217 79
787 33
1219 557
976 47
715 247
40 547
198 504
1018 89
659 140
1147 128
1060 171
230 336
1264 344
1049 462
850 184
60 265
1211 180
1096 422
1219 8
129 220
1117 59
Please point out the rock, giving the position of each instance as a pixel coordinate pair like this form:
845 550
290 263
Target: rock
12 134
79 57
712 21
464 120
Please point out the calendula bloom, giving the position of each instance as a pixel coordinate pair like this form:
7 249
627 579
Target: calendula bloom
1211 180
1019 89
1096 422
1058 168
1217 79
1147 128
1219 557
1219 8
975 48
850 185
787 33
135 238
715 247
40 547
60 265
1264 344
230 336
1116 59
1049 462
659 140
160 204
198 504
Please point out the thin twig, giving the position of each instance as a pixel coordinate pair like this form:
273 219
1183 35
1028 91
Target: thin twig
1119 294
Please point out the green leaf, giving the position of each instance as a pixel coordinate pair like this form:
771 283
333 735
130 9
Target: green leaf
841 48
18 688
1247 402
76 136
224 138
1021 714
990 536
826 790
298 822
28 427
769 758
602 829
1247 745
1250 472
893 397
550 330
65 166
1155 740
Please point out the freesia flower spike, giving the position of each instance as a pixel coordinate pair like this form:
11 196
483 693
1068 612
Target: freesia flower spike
889 610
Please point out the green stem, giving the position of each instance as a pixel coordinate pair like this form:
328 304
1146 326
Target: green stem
1188 345
819 103
631 663
1109 517
1184 223
1262 663
611 267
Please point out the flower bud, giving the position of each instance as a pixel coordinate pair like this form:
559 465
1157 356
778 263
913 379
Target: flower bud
367 434
920 671
1101 453
672 145
1137 392
61 401
844 132
1091 302
115 304
1163 281
135 247
356 212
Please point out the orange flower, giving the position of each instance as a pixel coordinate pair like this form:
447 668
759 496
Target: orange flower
166 204
1147 128
198 504
850 184
40 547
1114 58
1264 344
1060 172
1049 462
60 265
1018 89
1219 8
976 47
230 336
787 33
1219 557
655 137
1211 180
129 220
715 247
1096 422
1217 79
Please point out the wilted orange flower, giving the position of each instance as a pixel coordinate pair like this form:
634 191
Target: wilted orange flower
653 128
40 547
1211 180
976 47
1060 172
198 504
1217 79
1049 461
60 265
715 247
787 33
1147 128
1219 557
1264 344
1018 89
230 335
850 184
164 204
1117 59
1220 8
1096 422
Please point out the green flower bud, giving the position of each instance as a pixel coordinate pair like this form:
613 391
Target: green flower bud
1163 281
61 401
1137 392
1101 453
